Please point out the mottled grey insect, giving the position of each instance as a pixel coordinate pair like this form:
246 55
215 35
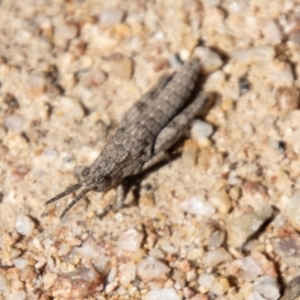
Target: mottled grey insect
147 131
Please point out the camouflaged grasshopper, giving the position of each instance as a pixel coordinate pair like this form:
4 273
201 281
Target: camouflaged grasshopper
147 131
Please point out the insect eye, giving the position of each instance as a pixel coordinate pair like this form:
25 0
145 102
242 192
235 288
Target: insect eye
86 172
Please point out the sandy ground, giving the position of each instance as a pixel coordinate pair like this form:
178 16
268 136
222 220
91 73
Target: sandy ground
220 220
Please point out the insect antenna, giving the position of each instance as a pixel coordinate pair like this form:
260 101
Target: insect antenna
68 191
74 201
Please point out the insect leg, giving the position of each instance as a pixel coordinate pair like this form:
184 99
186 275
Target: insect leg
175 128
120 198
160 156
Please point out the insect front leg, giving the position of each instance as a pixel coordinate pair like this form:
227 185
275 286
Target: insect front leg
120 198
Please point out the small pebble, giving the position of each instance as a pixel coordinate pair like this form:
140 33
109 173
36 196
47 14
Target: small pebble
112 274
212 2
252 55
241 228
221 201
127 272
111 16
102 264
97 78
214 81
121 67
188 293
18 173
272 33
152 269
69 109
77 47
281 73
198 206
245 269
20 263
156 253
165 294
287 98
109 288
268 287
255 296
50 153
4 284
216 239
235 193
87 249
189 153
288 246
292 211
14 253
210 60
206 280
215 257
201 129
14 122
220 286
20 295
24 225
66 30
160 64
168 247
130 240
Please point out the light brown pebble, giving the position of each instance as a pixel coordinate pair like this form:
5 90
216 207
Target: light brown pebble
121 67
161 64
127 273
220 286
241 228
189 153
210 60
130 240
152 269
121 31
221 201
69 109
235 193
292 211
287 98
216 257
200 297
111 16
66 30
24 225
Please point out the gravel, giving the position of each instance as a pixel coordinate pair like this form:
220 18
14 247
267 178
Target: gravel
220 220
